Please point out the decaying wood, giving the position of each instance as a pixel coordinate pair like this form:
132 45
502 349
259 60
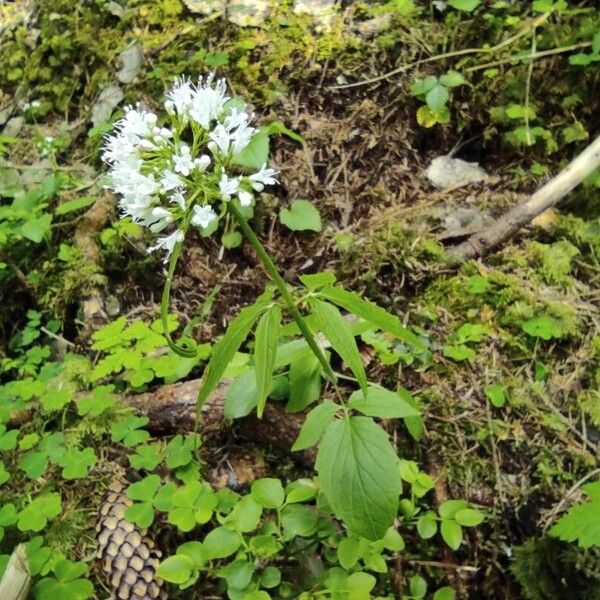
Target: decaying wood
86 232
547 196
16 581
172 409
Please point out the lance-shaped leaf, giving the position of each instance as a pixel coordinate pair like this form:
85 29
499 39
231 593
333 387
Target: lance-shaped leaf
225 349
337 330
265 349
358 473
372 313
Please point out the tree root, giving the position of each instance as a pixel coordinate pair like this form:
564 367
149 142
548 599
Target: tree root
172 409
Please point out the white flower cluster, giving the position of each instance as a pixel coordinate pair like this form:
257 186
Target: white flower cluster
169 176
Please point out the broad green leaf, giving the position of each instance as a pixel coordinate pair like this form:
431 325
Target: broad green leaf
543 327
459 352
77 463
348 552
246 514
301 216
140 513
315 424
495 394
265 349
256 153
464 5
268 492
358 472
449 508
240 397
305 381
193 550
445 593
372 313
51 589
225 349
277 127
451 533
298 520
468 517
146 457
270 577
35 515
379 402
318 280
417 586
427 525
238 574
176 569
452 79
36 229
221 543
145 489
337 331
437 97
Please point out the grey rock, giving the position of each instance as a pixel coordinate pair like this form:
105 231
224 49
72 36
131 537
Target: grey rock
446 172
106 102
131 59
206 7
322 11
247 13
13 127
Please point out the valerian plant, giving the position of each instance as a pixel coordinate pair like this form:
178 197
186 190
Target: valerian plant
188 168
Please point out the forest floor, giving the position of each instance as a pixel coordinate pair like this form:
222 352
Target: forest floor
525 320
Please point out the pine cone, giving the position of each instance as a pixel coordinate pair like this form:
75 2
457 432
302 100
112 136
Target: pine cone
129 557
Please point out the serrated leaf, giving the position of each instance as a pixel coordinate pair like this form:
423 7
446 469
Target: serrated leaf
581 524
265 349
372 313
358 472
315 424
379 402
337 331
224 350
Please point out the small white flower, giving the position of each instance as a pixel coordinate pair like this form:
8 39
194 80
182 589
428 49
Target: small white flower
167 243
136 123
208 101
178 198
228 187
183 163
236 118
170 181
49 139
264 176
203 216
245 197
202 163
241 137
221 140
179 97
35 104
157 219
147 145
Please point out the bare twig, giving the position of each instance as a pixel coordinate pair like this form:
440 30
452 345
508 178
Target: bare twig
547 196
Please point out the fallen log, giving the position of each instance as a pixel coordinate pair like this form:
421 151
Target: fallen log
548 195
172 409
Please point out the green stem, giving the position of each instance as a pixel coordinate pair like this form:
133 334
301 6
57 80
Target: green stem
189 351
282 287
